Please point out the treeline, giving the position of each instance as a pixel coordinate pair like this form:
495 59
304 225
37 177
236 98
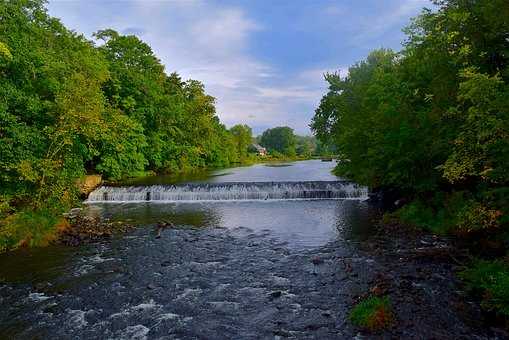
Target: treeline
69 107
282 142
430 124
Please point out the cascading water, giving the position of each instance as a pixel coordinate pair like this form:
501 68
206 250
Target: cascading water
230 191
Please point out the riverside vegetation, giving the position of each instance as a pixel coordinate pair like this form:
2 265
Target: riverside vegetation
70 106
428 127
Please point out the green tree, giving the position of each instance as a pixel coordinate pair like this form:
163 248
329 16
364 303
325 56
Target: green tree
242 137
430 122
305 146
279 139
68 107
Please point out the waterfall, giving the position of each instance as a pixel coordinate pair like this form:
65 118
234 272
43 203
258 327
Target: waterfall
230 191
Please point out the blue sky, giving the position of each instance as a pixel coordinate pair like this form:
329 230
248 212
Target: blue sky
263 60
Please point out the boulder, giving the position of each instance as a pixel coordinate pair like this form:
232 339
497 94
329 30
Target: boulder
88 183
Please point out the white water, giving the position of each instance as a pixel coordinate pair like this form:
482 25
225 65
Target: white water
230 191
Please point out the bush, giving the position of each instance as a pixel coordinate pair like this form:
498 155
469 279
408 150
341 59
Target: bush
456 212
490 280
373 313
29 228
438 214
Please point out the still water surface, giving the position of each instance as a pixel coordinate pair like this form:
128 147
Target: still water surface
312 170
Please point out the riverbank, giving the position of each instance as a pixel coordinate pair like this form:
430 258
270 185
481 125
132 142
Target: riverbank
418 271
86 226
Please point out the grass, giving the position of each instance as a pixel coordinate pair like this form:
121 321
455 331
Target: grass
30 228
373 313
490 281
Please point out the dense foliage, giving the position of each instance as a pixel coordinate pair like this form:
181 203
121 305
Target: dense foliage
431 124
69 106
242 139
490 279
282 143
431 121
280 140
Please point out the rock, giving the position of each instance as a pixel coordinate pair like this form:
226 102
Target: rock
165 224
52 308
88 183
225 306
499 332
327 314
73 213
41 286
282 333
275 294
317 260
378 290
314 326
151 286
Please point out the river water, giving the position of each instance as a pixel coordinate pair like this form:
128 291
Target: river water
254 253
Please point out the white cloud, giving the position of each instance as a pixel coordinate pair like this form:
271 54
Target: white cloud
224 33
210 41
197 39
365 28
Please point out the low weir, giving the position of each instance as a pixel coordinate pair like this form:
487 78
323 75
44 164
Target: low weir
229 191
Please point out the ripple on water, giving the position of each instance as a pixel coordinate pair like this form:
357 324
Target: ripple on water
168 316
98 259
76 319
83 270
280 281
146 306
38 297
189 292
137 332
225 306
142 307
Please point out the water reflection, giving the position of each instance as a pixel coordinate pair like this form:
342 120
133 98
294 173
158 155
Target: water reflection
300 223
35 265
180 214
354 219
309 170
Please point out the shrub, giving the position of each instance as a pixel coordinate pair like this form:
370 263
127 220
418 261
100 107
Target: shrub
490 280
456 212
373 313
29 228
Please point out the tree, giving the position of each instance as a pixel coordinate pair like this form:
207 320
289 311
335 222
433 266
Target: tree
242 137
279 139
306 146
68 107
430 122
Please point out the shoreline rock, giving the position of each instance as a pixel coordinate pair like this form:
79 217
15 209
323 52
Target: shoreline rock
86 226
88 183
417 270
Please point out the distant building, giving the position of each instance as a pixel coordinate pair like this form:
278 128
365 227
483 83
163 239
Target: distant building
260 150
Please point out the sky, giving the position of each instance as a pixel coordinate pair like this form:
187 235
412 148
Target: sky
263 60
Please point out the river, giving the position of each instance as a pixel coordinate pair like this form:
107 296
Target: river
254 252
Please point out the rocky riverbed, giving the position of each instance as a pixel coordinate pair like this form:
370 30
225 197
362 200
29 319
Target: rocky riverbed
85 226
215 283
